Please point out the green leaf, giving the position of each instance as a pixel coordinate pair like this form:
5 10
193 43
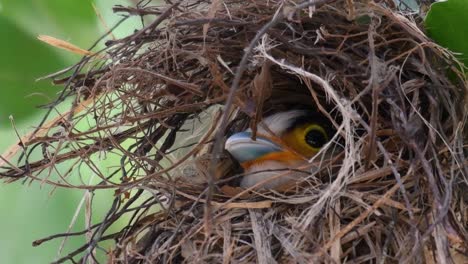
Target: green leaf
23 60
70 20
447 24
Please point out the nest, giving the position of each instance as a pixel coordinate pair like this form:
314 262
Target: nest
164 99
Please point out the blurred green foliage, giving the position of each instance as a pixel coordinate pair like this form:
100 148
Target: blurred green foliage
32 211
23 59
447 24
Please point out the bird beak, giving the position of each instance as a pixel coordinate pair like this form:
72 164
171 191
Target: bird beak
243 148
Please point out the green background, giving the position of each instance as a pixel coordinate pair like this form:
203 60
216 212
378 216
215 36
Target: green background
33 211
447 23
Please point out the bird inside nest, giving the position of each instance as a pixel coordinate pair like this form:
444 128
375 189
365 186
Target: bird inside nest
284 143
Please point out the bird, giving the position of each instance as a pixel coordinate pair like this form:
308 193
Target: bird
284 141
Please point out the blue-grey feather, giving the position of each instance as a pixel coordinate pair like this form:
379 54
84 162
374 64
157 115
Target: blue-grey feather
243 148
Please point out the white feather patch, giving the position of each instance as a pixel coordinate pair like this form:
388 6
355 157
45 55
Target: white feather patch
279 122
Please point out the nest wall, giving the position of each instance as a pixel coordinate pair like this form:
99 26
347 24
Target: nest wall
392 182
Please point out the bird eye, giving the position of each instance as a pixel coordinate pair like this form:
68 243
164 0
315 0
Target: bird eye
316 136
306 139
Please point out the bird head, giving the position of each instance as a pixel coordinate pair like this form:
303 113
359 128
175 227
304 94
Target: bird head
283 140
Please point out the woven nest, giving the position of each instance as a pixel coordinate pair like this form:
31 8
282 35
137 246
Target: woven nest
165 99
